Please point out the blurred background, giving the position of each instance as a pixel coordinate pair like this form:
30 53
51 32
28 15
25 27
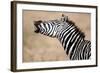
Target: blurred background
38 47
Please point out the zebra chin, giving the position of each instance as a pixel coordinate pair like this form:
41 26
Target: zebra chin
37 31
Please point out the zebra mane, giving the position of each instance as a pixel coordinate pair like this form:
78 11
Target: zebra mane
77 28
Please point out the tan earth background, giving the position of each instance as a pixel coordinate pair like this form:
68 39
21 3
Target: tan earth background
38 47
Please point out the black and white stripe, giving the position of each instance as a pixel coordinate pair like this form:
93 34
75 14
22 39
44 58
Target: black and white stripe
70 36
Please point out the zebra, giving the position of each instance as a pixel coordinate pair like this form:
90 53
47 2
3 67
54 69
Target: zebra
69 35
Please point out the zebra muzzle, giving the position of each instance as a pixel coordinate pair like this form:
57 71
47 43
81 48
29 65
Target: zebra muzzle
37 23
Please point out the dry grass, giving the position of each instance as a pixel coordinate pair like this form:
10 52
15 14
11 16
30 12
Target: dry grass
37 47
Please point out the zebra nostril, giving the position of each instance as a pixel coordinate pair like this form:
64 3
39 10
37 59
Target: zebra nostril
36 23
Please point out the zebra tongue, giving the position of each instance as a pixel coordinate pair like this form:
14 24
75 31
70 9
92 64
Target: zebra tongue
37 30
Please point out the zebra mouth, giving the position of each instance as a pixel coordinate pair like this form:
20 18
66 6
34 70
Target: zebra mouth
37 23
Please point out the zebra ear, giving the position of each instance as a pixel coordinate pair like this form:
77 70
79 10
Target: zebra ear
64 18
62 15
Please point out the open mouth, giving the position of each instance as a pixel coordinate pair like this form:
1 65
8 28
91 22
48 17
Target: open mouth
37 23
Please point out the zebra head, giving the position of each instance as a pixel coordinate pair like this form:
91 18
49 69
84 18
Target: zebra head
51 27
71 37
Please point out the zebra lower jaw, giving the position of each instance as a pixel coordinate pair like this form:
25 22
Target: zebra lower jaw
36 29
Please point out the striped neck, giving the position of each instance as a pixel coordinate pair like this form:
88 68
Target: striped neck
70 37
